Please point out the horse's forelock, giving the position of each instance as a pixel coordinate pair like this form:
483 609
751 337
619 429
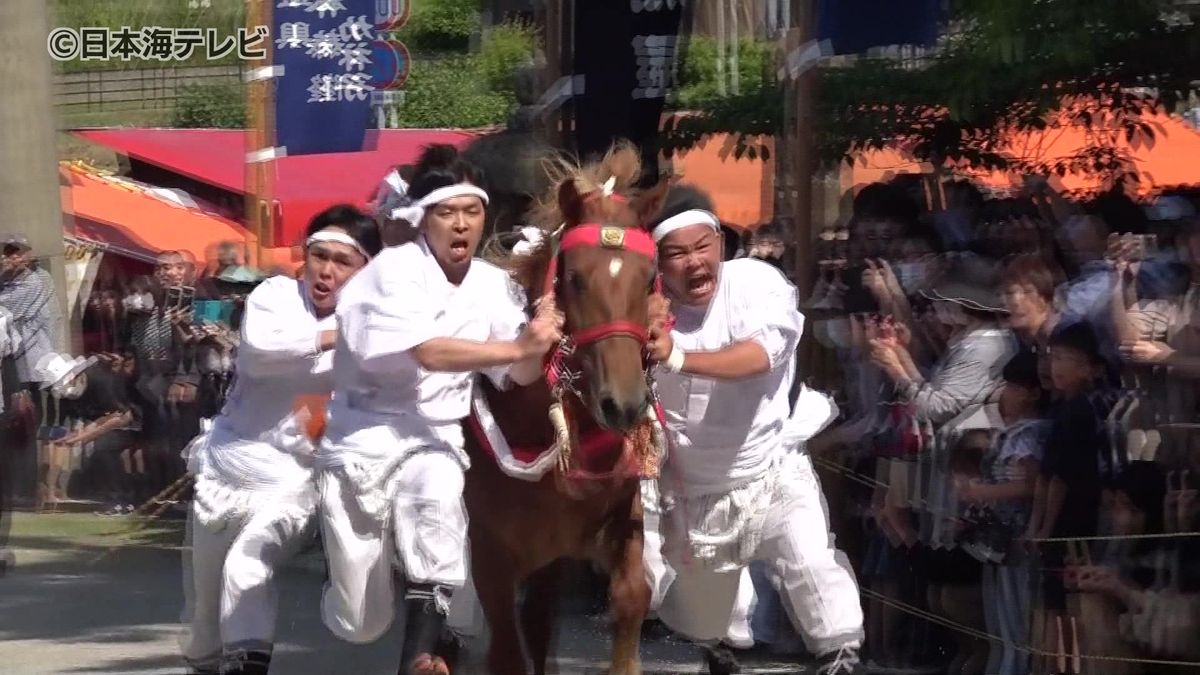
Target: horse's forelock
621 164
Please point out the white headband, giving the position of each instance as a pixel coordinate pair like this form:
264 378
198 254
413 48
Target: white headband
682 220
336 237
414 212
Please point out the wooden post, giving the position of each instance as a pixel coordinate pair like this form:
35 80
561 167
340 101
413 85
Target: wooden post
802 164
557 16
30 204
260 135
803 149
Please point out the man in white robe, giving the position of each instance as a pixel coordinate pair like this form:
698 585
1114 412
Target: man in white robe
734 487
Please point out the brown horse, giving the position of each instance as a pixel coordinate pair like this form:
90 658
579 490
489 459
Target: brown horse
602 271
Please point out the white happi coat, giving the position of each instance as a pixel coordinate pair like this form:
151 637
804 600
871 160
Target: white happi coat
392 456
737 486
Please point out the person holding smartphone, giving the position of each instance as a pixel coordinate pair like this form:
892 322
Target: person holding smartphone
255 494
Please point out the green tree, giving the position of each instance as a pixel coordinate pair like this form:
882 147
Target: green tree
441 25
469 90
1003 65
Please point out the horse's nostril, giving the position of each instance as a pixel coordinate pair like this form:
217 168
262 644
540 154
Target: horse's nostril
609 409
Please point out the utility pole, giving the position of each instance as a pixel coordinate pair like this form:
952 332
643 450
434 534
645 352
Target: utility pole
29 193
802 147
558 17
260 135
797 165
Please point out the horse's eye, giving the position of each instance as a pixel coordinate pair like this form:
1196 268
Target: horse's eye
576 282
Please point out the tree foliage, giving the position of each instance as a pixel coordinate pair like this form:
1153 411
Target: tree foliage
441 25
469 90
1003 66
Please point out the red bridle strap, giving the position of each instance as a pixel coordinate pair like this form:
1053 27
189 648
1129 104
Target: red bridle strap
610 329
594 235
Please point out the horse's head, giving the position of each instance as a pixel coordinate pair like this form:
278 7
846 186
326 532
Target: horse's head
603 274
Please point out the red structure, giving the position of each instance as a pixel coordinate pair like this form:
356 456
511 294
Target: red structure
209 163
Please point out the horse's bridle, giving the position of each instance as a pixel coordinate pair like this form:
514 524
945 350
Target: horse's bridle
560 374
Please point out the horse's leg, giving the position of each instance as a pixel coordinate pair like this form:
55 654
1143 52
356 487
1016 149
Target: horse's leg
629 592
537 614
496 586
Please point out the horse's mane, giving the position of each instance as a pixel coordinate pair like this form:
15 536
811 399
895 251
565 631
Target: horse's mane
621 163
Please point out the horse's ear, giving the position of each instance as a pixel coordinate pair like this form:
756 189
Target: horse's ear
649 202
570 201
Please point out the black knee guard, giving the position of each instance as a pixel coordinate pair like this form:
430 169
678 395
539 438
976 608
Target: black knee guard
426 606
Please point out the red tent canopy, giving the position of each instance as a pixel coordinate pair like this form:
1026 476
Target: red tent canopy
303 186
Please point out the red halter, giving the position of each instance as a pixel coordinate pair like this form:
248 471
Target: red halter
594 235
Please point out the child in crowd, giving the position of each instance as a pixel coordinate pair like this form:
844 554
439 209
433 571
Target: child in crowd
1002 502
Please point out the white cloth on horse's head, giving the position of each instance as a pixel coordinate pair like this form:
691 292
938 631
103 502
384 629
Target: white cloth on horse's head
726 432
531 238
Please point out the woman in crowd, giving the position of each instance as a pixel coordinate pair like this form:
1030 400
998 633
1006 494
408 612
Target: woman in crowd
255 494
413 329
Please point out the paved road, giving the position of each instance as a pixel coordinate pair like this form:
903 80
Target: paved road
64 612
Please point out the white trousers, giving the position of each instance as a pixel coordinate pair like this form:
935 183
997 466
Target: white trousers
423 537
230 596
814 579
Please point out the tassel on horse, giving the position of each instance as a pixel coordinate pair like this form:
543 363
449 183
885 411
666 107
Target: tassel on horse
562 436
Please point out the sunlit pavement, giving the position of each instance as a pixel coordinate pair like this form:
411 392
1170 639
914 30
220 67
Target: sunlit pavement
89 596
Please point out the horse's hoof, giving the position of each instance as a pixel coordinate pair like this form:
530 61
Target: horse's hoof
721 661
426 664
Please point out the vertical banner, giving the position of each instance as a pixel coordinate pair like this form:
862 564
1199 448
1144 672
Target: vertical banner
324 73
854 26
626 52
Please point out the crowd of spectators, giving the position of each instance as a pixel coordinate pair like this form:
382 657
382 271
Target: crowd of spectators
108 424
1015 472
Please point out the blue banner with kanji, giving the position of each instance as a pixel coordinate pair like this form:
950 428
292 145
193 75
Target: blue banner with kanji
323 94
625 50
